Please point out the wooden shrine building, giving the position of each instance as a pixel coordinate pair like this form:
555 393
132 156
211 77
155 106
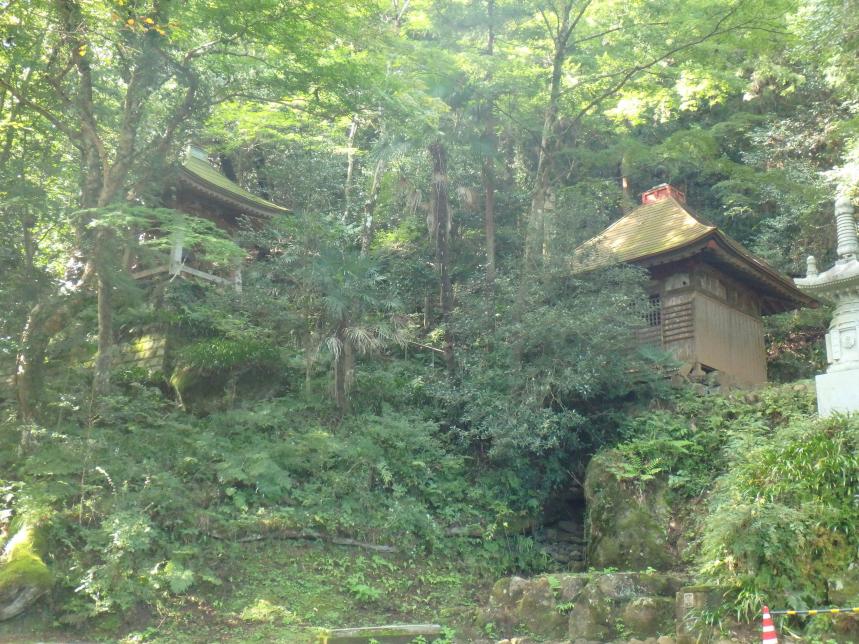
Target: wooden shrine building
199 189
707 292
195 188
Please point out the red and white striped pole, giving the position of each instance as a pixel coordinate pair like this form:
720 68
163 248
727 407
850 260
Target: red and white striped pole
768 636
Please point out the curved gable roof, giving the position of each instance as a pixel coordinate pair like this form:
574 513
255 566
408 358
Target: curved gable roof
197 172
648 230
664 231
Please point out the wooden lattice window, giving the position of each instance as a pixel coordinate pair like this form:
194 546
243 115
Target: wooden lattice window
653 312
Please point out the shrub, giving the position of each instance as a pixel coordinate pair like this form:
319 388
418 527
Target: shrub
132 496
779 487
783 518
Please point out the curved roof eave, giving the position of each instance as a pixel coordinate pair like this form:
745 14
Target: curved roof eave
782 287
200 175
675 233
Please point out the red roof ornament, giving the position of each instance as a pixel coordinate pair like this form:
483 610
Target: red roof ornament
660 192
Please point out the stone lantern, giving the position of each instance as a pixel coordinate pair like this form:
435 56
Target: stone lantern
838 388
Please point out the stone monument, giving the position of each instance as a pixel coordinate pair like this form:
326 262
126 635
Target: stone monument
838 388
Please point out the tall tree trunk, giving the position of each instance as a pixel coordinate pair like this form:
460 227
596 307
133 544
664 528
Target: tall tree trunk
427 310
535 232
309 355
348 369
441 224
370 208
104 174
104 355
341 370
626 202
535 225
30 363
105 256
45 320
488 176
350 169
259 163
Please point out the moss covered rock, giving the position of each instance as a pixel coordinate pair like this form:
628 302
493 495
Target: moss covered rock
636 604
591 617
24 577
649 616
502 611
589 607
532 605
538 609
628 521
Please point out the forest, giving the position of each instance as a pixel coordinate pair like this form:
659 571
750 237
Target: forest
385 387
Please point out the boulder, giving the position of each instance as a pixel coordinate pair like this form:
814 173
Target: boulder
649 616
502 608
538 609
532 605
620 586
24 577
637 604
591 617
628 521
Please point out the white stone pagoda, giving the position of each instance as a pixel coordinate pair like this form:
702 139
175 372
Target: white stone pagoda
838 388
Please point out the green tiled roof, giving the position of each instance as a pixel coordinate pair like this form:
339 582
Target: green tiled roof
201 173
648 230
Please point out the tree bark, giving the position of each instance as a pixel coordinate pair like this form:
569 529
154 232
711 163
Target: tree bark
535 233
104 355
45 320
341 360
350 169
370 208
535 225
488 177
442 226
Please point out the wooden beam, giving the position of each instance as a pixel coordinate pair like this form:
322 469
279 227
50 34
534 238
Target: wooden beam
393 632
203 275
150 271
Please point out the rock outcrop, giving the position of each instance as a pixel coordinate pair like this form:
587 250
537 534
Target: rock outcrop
628 523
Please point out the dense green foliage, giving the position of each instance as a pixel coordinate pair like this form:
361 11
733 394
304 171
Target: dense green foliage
783 519
143 502
411 361
779 486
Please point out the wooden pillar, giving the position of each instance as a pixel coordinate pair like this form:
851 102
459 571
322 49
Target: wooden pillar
237 279
176 256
